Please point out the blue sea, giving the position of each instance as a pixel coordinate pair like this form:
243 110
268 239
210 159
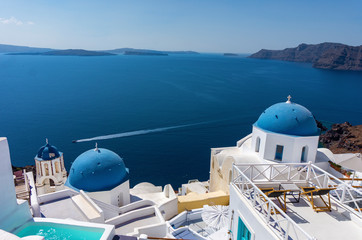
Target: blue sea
69 98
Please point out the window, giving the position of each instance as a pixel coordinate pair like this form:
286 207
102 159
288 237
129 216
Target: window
243 231
57 167
279 152
304 154
257 144
46 169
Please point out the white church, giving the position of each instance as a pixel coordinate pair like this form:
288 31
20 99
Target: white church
285 132
102 174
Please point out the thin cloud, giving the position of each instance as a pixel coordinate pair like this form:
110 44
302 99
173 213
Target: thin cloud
15 21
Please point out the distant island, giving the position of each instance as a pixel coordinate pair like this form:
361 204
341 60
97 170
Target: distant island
134 51
334 56
68 52
145 53
4 48
24 50
231 54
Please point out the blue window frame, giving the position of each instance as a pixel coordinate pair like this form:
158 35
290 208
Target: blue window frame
243 231
303 158
279 152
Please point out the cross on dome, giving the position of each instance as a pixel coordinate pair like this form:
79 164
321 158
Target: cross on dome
96 149
289 97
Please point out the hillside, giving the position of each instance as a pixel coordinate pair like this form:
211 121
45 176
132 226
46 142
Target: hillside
4 48
343 138
324 55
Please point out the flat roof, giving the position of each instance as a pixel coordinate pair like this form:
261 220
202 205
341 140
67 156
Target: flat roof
63 208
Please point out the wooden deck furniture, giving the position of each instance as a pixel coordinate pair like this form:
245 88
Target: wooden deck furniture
279 195
311 192
293 190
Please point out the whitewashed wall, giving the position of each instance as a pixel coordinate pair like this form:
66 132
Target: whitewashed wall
12 214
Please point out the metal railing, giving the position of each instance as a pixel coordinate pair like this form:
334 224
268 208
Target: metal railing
246 176
281 224
344 194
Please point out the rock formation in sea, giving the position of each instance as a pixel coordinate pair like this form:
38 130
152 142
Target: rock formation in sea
335 56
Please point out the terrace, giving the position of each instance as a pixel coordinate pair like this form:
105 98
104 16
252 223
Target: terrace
300 221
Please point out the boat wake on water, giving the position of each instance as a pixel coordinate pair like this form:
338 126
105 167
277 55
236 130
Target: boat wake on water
138 132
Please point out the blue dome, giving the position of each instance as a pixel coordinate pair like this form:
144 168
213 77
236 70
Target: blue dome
97 170
47 152
288 118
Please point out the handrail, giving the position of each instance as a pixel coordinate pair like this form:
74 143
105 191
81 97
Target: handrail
272 207
343 195
350 179
342 198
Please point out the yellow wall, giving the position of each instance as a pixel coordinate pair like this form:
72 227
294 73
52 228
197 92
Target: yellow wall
194 200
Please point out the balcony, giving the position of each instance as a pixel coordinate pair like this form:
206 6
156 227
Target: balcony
300 221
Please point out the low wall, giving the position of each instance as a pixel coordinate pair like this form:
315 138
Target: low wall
56 195
94 206
33 195
182 218
156 230
109 211
136 205
131 215
193 201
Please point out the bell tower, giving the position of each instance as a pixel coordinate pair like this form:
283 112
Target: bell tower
50 171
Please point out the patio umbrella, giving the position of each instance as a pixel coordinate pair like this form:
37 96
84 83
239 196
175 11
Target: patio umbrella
351 161
216 216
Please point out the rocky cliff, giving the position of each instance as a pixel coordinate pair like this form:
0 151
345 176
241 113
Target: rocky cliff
343 138
324 55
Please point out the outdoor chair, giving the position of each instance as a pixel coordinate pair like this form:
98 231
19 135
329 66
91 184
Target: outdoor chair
279 195
311 192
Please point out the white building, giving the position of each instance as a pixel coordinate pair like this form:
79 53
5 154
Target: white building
102 174
285 132
282 155
50 171
256 215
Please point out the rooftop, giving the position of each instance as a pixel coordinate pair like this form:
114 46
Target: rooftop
62 208
300 221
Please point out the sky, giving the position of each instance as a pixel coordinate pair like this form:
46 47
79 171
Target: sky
237 26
